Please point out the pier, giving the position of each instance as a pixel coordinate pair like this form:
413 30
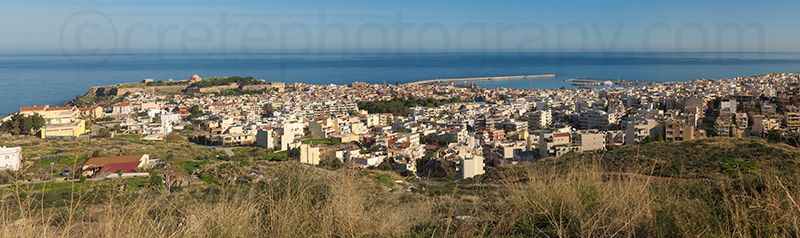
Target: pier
437 81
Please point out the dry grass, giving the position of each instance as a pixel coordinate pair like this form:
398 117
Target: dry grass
581 203
297 204
577 199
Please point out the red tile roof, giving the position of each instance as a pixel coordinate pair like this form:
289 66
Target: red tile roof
103 161
126 167
30 109
59 108
87 108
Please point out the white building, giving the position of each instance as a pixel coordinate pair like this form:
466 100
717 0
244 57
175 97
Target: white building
10 158
728 106
265 138
590 140
470 166
597 119
541 119
309 155
636 131
287 139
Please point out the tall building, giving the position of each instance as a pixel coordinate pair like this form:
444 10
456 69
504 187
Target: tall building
726 126
597 119
287 139
554 144
309 155
541 119
590 140
638 130
728 105
763 124
471 165
265 138
791 118
681 131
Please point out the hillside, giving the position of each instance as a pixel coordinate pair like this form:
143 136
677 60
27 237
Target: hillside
711 158
718 187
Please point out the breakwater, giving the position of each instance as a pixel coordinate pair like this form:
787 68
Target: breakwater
436 81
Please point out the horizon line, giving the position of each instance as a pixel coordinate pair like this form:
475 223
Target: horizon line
328 52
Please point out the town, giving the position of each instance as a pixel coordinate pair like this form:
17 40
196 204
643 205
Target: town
423 130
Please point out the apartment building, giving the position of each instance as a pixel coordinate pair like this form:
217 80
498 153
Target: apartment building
554 144
791 118
763 124
265 138
470 165
681 131
597 119
637 130
540 119
726 126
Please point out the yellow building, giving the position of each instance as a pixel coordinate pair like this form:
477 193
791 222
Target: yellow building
60 115
65 130
60 122
91 113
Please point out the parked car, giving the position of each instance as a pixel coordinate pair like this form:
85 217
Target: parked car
66 172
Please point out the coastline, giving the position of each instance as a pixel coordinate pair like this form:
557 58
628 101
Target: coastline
60 80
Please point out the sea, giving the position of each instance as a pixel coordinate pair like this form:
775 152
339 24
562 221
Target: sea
53 79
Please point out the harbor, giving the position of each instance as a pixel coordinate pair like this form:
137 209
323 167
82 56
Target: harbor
438 81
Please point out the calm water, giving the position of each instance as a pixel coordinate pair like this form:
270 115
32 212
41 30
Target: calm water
28 80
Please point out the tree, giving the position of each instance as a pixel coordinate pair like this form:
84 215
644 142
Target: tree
104 133
647 139
23 124
195 112
659 138
774 136
119 173
155 182
210 82
267 112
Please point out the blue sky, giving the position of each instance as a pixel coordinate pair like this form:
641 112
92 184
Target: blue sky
92 26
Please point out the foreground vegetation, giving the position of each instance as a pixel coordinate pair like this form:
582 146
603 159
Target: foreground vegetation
712 188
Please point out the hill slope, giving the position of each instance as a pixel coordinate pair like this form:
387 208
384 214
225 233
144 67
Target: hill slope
718 187
710 158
